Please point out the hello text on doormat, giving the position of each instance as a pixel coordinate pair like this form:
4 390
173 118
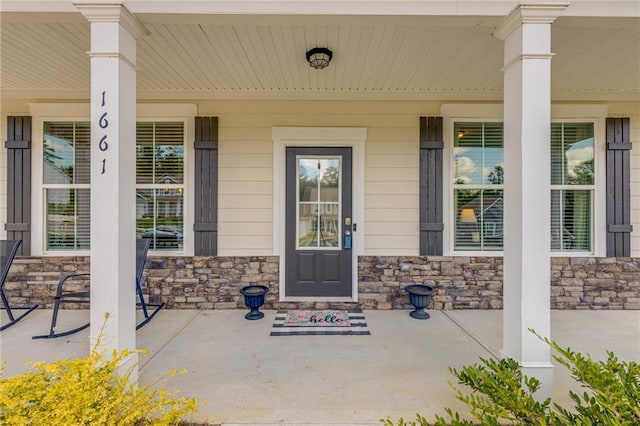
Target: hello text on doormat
319 323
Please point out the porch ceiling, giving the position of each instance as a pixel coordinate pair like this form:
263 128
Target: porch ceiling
43 56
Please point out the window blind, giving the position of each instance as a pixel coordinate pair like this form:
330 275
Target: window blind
478 186
66 179
572 186
160 183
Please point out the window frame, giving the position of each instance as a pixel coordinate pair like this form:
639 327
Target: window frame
43 112
173 186
481 187
453 113
577 113
598 189
47 186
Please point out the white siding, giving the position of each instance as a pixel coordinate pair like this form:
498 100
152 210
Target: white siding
245 197
391 167
246 175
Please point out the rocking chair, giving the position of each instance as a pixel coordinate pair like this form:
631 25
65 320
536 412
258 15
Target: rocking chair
142 247
8 250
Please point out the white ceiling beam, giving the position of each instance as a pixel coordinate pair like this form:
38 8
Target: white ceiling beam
584 8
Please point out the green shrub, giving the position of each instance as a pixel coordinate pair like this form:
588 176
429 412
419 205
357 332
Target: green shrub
613 395
501 394
87 391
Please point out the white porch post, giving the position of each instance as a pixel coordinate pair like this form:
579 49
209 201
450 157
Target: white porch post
527 126
114 31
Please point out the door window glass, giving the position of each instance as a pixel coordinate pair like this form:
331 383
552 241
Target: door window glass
318 212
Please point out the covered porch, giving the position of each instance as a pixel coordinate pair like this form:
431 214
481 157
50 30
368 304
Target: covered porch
405 82
247 377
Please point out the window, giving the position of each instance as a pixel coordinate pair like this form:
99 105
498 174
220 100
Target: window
478 186
572 186
319 204
65 183
159 184
474 187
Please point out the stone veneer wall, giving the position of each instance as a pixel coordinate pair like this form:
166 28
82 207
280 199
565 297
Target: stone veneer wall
595 283
476 282
210 282
462 282
33 280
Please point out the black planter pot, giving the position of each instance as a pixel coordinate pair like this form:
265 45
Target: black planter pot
254 298
419 297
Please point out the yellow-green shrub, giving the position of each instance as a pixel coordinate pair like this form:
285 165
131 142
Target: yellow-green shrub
87 391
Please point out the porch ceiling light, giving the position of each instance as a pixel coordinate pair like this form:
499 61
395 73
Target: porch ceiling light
319 57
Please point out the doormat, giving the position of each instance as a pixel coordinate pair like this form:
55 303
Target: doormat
319 323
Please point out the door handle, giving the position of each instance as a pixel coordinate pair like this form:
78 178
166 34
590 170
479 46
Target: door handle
347 240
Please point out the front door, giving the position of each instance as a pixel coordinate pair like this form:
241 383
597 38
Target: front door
318 260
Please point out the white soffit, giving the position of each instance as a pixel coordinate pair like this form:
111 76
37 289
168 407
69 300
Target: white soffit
210 56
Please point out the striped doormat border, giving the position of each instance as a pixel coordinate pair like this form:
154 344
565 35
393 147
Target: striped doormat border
358 327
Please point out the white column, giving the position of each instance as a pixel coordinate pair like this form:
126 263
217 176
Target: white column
527 126
114 31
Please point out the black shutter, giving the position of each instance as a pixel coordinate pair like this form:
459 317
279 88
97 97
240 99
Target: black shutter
18 145
618 188
431 225
206 191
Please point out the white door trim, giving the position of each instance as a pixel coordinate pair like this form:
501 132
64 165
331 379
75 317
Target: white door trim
283 137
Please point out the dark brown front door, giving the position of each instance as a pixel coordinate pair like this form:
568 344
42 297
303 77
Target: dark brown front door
319 230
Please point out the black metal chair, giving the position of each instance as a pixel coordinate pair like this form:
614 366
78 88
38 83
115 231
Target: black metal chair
142 247
8 250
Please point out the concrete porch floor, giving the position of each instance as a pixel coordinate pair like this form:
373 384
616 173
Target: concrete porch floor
247 377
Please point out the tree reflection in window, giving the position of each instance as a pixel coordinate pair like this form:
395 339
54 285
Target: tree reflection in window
318 202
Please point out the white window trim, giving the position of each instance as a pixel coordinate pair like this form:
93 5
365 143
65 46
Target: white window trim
597 114
599 206
480 187
353 137
452 113
41 112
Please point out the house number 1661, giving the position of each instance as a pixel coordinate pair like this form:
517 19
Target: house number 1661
103 123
